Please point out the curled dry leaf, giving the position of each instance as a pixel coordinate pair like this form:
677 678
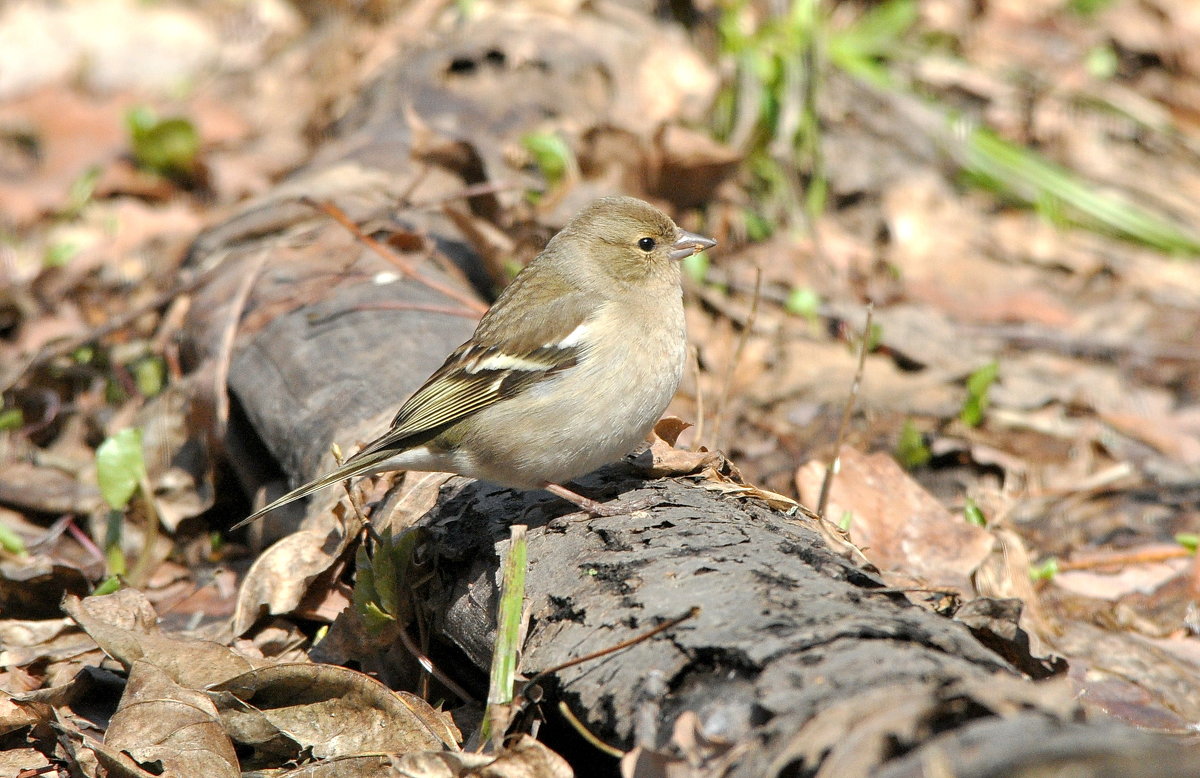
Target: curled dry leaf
167 729
691 751
663 460
191 662
282 575
328 710
523 758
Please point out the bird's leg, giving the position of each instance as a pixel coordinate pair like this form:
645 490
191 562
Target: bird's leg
616 507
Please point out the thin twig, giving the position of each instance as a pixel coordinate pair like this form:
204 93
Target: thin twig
1124 557
731 368
428 666
402 264
699 436
141 568
633 641
847 411
586 733
224 356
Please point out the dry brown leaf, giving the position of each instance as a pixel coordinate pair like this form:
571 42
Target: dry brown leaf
23 761
412 500
43 489
522 758
898 525
73 134
167 729
125 627
690 753
334 711
280 578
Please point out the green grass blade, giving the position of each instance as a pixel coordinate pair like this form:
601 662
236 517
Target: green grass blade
508 637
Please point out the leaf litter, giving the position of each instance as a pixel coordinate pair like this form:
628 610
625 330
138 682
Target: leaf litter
1086 453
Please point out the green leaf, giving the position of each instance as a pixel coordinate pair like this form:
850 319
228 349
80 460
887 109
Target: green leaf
696 267
120 467
911 450
169 147
508 628
978 385
1089 7
973 514
150 375
59 254
1189 540
551 154
1102 62
12 419
1044 570
758 228
1034 180
804 301
107 586
10 541
384 578
81 191
876 36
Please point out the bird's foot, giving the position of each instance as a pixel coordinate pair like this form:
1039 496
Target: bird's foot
617 507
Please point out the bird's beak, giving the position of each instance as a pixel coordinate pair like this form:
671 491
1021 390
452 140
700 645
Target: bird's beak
690 243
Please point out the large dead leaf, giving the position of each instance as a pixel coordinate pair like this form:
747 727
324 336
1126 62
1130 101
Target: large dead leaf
124 625
898 525
167 729
332 711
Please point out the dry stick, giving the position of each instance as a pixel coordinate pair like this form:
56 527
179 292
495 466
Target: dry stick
727 385
141 568
633 641
1123 558
844 424
428 666
403 265
699 437
583 731
224 357
586 733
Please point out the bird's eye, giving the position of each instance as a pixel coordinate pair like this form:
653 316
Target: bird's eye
646 244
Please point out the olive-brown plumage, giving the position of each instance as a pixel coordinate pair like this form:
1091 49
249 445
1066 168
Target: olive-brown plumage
568 370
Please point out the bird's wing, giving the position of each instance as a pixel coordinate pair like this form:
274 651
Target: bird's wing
493 366
486 370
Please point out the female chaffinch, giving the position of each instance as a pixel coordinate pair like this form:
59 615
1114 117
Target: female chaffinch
568 370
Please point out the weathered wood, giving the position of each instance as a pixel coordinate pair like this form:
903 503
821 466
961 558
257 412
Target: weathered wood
796 652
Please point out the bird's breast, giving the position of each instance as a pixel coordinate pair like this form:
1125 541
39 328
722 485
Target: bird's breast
592 413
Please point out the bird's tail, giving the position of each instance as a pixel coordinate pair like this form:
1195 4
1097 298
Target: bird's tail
359 464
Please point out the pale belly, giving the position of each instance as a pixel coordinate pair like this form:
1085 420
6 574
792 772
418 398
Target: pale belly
588 416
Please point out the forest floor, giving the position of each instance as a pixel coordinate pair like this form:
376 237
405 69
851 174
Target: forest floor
1013 187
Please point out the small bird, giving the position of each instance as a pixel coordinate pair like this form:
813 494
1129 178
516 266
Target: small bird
567 371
